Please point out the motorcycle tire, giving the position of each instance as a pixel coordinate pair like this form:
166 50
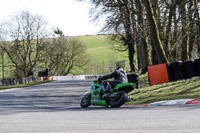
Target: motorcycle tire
123 97
85 102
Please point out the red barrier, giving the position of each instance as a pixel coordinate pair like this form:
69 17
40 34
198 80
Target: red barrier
158 74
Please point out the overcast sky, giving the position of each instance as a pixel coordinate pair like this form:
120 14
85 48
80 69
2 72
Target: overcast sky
70 16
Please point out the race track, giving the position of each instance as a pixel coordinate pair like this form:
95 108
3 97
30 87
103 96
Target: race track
54 108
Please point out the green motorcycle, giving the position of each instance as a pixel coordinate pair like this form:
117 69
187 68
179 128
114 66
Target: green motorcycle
96 95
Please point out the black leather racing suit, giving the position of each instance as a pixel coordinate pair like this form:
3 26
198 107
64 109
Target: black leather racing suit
119 77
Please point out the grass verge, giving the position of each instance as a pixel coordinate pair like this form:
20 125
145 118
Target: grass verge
183 89
24 85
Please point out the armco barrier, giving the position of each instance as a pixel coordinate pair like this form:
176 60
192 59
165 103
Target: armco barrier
23 80
79 77
92 77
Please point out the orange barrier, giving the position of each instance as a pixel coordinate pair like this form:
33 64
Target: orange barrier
50 78
158 74
41 78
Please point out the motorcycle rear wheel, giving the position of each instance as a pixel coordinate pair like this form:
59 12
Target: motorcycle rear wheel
85 102
122 98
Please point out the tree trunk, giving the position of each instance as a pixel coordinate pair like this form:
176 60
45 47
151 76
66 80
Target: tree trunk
185 46
154 57
131 51
157 45
142 44
174 38
144 54
168 32
128 26
2 65
191 30
197 26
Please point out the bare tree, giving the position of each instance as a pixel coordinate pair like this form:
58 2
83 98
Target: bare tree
23 41
65 55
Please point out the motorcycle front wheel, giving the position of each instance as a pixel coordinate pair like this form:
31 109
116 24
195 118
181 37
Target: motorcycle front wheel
85 102
120 99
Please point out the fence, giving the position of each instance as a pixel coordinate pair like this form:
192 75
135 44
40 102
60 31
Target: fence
15 81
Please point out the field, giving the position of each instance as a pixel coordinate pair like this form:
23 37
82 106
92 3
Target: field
99 49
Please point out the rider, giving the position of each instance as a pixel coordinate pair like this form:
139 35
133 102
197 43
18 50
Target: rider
119 77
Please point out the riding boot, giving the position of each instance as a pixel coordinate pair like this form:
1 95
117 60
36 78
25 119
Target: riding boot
105 96
109 89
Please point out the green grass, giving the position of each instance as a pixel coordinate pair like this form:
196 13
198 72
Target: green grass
183 89
94 41
24 85
99 49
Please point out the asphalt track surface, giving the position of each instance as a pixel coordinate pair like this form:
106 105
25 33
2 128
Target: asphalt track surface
54 108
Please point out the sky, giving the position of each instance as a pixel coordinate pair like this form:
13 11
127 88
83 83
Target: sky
70 16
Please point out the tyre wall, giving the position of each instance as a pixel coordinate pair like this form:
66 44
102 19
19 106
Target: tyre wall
134 78
183 70
197 66
175 71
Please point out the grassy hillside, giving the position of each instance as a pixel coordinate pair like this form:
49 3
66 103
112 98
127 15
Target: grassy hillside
183 89
99 49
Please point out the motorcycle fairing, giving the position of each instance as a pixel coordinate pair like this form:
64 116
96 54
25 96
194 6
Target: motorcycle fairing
95 97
